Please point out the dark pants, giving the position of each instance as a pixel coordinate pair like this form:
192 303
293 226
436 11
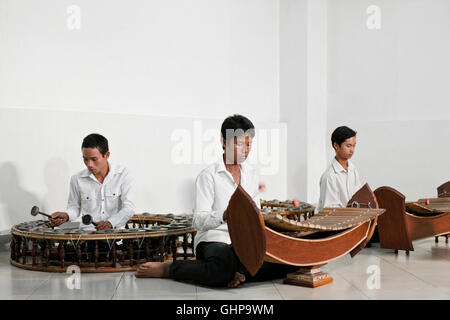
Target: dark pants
217 264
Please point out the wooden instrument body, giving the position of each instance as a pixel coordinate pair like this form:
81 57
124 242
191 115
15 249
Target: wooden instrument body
35 246
397 228
444 190
425 227
309 254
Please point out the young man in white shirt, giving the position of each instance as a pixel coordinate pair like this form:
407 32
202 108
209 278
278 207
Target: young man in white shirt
103 190
216 263
341 179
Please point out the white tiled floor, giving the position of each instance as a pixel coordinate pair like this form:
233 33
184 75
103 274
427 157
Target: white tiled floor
425 274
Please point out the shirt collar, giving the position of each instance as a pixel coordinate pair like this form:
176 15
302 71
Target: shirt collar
339 168
113 169
220 165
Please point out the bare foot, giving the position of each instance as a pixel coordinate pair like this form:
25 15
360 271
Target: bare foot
237 280
154 270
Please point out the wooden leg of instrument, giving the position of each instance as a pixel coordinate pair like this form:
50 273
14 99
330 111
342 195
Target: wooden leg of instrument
18 242
12 245
34 252
161 249
62 253
436 239
173 241
96 254
192 242
308 277
24 251
407 252
131 253
185 242
148 252
446 238
396 251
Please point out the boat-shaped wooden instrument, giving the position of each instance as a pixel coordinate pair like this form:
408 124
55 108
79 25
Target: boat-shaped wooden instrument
309 244
405 222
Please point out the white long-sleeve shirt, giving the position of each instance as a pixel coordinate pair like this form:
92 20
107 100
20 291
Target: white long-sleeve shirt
214 187
111 200
337 186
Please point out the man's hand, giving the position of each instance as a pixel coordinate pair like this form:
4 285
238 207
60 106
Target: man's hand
103 225
58 218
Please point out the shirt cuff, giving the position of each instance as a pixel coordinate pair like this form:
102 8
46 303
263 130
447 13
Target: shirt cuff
120 218
205 221
72 214
114 222
219 216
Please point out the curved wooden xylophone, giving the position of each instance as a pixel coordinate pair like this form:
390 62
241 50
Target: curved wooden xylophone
37 246
405 222
309 244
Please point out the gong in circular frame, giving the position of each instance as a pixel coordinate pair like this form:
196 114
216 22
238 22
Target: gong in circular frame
35 245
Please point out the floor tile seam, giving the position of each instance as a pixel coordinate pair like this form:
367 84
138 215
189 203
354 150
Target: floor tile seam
38 286
437 253
353 286
395 266
398 266
115 290
273 283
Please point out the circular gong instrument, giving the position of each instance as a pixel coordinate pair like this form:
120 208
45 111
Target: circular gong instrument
37 245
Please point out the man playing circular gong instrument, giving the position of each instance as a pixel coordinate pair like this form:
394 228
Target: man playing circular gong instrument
102 190
216 263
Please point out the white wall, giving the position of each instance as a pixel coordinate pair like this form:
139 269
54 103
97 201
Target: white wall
193 58
152 76
316 123
293 91
303 81
391 85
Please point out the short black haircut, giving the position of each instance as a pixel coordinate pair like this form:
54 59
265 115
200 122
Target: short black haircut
95 140
341 134
240 126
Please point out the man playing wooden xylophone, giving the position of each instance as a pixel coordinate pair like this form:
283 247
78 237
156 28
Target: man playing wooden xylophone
341 179
217 263
103 190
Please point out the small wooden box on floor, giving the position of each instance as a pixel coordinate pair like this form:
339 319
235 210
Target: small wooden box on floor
307 277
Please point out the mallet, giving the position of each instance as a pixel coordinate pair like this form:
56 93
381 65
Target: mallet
35 211
87 220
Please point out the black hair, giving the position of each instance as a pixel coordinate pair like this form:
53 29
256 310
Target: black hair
95 140
341 134
239 125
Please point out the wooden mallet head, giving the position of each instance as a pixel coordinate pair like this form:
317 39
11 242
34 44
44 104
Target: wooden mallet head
35 211
87 220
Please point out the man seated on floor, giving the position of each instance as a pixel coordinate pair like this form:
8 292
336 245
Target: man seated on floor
103 190
341 179
216 263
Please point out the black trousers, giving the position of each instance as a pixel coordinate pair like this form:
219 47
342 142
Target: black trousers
217 264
